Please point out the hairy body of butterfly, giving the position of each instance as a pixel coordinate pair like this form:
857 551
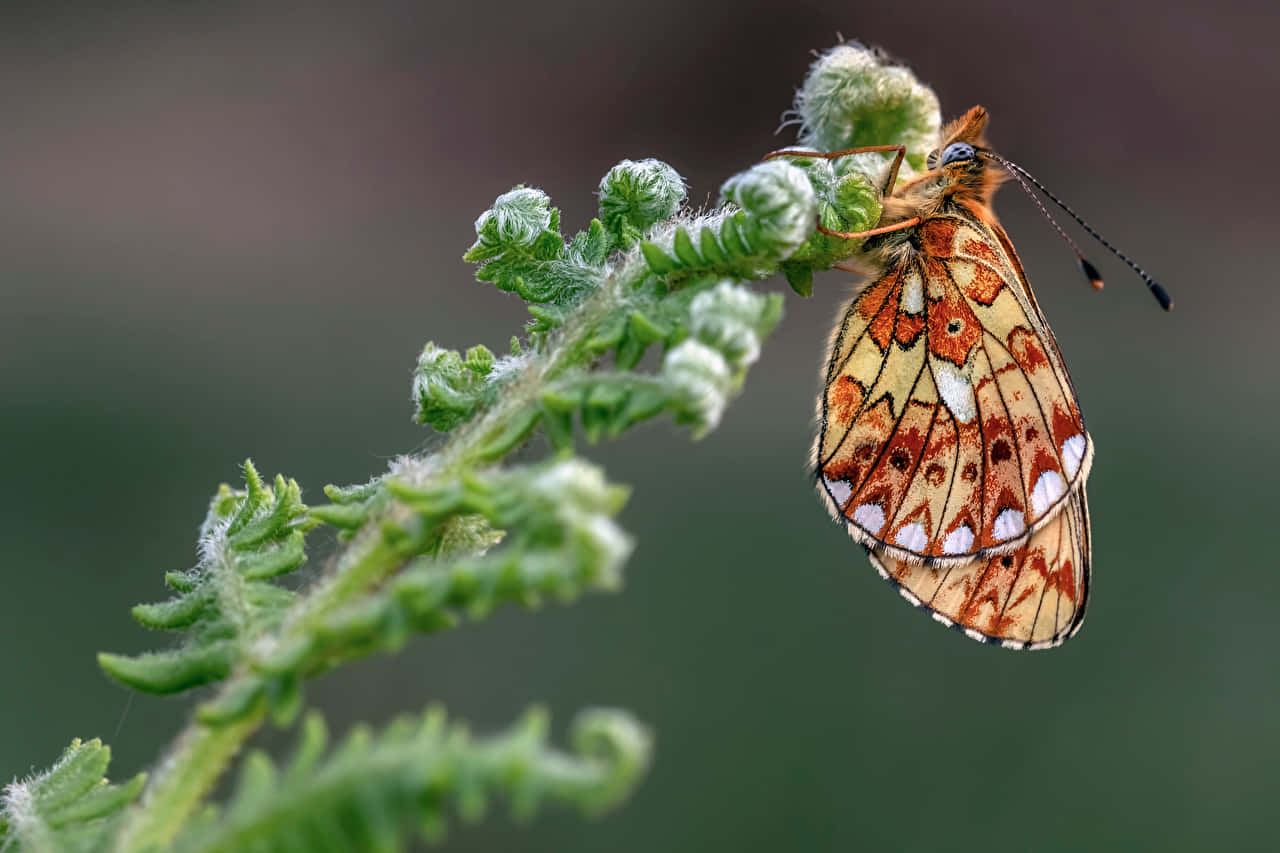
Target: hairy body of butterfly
951 443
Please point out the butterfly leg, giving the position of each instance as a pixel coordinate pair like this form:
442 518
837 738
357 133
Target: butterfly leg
892 178
883 229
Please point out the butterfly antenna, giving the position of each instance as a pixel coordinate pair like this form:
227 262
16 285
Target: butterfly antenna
1027 180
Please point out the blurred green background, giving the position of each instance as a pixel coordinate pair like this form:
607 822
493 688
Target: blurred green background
227 229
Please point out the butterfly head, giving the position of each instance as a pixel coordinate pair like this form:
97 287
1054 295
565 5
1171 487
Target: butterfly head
959 165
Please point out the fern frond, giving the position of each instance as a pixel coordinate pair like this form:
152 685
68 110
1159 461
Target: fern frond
248 538
458 531
558 540
373 791
70 807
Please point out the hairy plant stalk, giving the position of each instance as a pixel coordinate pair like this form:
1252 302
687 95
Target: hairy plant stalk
201 753
196 761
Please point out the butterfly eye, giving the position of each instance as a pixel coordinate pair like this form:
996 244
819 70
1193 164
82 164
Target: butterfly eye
957 151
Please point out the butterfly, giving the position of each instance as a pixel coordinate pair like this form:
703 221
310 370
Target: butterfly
951 443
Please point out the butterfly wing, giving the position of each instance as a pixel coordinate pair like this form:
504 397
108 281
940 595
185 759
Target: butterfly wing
950 430
1030 598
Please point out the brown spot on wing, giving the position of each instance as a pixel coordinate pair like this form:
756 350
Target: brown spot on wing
1002 486
964 497
844 398
881 328
954 330
981 284
873 298
1025 348
980 249
854 457
1064 579
938 236
982 610
908 328
888 483
1065 424
926 496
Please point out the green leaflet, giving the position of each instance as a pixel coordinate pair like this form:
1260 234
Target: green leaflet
559 540
70 807
448 388
766 213
248 538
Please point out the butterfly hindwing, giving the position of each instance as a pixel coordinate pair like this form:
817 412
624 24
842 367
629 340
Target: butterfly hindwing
1032 597
950 430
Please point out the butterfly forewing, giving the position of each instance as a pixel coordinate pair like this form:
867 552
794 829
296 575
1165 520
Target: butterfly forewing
1029 598
950 430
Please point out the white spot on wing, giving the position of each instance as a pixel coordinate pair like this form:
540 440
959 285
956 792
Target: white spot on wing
958 541
870 517
839 490
1048 489
962 272
938 617
913 293
956 390
1073 454
912 537
975 635
1008 525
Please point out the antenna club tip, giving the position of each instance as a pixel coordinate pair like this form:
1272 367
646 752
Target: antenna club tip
1090 272
1162 296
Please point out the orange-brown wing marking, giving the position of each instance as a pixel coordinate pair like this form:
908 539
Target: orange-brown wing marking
1033 597
855 364
950 330
1012 318
871 381
1041 426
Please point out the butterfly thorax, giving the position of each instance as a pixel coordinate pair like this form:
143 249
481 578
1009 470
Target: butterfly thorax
963 187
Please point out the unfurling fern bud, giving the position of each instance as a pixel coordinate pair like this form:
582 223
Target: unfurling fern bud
703 379
735 321
848 201
728 325
636 195
522 220
854 96
447 389
781 204
769 210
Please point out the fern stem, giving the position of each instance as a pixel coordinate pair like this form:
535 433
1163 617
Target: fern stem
194 765
534 378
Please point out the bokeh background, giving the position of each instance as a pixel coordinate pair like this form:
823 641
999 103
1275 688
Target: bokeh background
226 229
